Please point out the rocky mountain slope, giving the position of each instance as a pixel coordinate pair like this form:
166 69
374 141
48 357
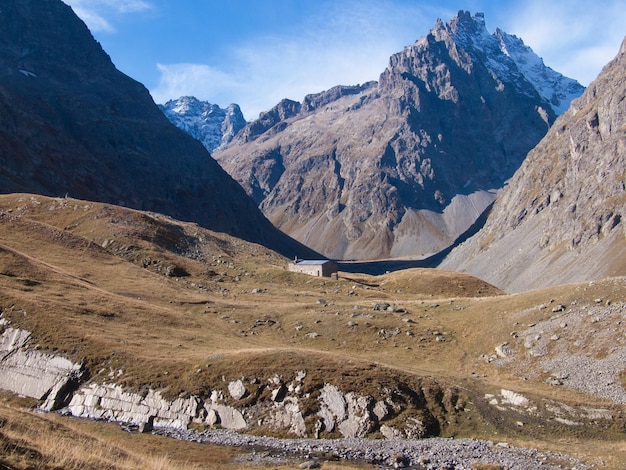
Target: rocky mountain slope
563 211
404 165
210 124
72 123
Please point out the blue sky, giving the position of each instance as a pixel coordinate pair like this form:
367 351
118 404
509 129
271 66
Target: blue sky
256 52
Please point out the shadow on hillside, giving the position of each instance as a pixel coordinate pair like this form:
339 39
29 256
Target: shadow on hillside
378 267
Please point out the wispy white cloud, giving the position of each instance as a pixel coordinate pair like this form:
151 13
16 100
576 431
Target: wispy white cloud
192 80
350 41
573 37
95 13
349 44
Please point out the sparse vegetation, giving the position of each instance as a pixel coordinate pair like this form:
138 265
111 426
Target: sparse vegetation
75 274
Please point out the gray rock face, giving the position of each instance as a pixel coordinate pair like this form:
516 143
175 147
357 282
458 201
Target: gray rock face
563 211
73 124
33 373
210 124
405 165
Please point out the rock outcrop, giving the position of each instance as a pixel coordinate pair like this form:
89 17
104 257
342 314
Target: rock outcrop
563 211
33 373
278 404
73 124
405 165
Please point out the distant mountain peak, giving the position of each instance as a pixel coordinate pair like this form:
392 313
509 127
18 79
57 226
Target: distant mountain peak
402 166
467 28
507 57
208 123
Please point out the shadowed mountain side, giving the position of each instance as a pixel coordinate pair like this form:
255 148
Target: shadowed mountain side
561 218
73 124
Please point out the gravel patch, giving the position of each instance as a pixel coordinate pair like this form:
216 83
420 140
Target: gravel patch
582 348
426 454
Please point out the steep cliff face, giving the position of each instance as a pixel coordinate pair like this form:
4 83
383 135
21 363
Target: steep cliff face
563 211
73 124
401 166
210 124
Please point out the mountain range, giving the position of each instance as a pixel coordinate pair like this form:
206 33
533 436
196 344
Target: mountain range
73 124
190 328
405 165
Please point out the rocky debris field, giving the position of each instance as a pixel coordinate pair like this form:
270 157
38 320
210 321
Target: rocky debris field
581 347
426 454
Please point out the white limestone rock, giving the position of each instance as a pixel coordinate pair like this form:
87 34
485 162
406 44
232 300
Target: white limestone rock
237 389
359 421
333 399
33 373
230 418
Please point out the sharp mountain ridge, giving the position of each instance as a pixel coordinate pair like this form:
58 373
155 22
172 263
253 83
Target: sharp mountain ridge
405 165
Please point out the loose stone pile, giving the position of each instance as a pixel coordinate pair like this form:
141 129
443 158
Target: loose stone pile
426 454
582 347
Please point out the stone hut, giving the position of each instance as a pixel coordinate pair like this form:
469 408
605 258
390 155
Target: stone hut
314 267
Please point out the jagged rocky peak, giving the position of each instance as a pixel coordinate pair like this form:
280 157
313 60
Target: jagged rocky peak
557 89
510 62
401 167
210 124
267 120
563 209
314 101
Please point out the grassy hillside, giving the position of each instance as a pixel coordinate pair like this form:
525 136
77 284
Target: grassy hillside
162 304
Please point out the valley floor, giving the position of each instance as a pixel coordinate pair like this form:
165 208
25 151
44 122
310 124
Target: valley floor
145 303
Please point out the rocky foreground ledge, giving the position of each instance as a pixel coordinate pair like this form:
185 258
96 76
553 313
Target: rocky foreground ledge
407 419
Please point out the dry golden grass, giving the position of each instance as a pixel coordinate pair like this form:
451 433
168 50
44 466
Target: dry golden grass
176 307
31 440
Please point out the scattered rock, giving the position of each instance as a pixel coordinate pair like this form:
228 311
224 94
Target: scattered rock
503 350
389 333
512 398
237 389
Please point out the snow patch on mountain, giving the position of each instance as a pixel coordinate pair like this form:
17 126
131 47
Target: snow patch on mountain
208 123
552 86
509 59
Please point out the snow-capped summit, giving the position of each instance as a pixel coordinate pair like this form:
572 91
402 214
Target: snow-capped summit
210 124
554 87
508 59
